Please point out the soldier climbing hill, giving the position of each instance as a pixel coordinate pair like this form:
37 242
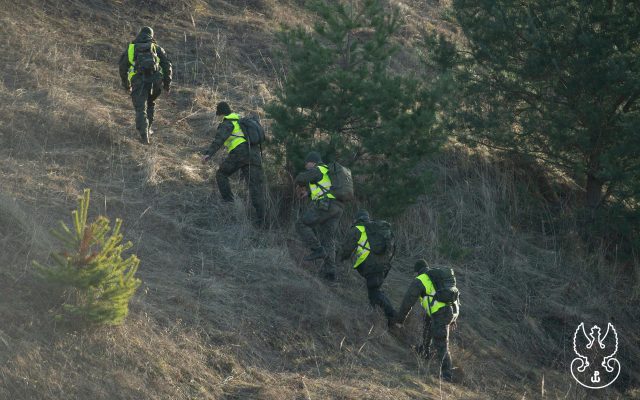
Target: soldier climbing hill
242 156
145 69
318 224
372 244
436 289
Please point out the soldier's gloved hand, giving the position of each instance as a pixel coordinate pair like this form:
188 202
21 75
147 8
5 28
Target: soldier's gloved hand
167 86
301 192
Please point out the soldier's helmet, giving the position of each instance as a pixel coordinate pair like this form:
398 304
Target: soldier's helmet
314 157
146 30
420 265
223 108
361 216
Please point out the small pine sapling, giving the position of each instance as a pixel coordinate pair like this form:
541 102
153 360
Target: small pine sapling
97 282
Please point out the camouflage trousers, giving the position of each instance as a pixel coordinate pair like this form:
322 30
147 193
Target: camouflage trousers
436 328
317 228
248 161
144 94
376 296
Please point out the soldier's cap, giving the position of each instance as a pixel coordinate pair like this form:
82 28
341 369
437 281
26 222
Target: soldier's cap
420 265
361 215
314 157
146 30
223 108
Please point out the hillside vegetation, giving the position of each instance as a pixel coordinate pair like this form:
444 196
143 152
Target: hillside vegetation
226 311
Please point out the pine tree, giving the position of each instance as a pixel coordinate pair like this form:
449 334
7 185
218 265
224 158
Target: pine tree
555 81
97 281
342 98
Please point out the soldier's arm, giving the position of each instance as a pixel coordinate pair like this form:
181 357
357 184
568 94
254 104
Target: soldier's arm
309 176
224 131
349 244
123 68
413 293
165 64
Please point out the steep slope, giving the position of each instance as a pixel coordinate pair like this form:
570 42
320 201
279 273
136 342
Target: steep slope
226 311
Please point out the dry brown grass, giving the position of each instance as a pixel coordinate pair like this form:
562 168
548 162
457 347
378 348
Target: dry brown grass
228 312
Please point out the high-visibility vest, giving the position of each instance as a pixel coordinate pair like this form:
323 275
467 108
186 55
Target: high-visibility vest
131 52
430 304
237 136
363 249
322 189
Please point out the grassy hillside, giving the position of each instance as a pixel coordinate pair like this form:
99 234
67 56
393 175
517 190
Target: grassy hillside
228 312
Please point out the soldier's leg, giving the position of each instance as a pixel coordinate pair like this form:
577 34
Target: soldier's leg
139 95
327 231
255 179
440 332
377 296
228 167
424 349
151 100
305 227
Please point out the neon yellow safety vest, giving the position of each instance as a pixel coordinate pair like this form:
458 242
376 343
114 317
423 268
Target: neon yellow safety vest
363 249
322 189
428 302
237 136
131 52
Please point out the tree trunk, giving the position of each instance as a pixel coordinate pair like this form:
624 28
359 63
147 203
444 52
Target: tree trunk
594 191
594 185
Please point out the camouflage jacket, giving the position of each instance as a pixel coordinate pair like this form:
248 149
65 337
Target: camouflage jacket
414 292
374 263
225 128
308 176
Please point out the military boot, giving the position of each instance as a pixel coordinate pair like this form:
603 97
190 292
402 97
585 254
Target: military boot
144 138
316 253
447 375
447 368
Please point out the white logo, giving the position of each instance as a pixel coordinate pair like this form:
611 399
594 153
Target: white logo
587 369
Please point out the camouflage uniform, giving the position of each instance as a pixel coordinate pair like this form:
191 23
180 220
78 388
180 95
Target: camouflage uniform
373 269
145 89
436 327
244 158
319 223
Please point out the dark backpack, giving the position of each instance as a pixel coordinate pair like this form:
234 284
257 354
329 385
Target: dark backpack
253 131
444 280
380 236
146 58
